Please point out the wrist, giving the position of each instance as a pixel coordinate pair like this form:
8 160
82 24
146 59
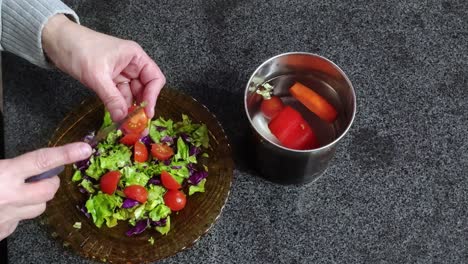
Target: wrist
56 39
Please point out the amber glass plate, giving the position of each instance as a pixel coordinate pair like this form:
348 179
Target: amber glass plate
187 226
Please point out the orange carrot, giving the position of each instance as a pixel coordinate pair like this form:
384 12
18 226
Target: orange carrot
314 102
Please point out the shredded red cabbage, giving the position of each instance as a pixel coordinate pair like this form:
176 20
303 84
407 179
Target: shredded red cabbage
176 167
161 222
197 176
147 141
129 203
194 151
160 128
167 162
82 165
185 137
83 210
167 139
155 180
138 228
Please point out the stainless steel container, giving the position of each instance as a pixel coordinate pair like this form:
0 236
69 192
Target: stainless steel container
287 166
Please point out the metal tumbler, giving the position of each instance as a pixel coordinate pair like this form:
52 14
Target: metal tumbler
288 166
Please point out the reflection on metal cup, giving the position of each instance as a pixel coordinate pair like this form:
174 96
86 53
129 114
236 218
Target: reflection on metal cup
288 166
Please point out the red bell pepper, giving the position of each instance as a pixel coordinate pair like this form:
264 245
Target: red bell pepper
292 130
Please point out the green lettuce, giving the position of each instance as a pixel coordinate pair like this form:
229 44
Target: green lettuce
87 185
200 187
107 120
164 229
101 207
161 211
76 176
131 177
157 135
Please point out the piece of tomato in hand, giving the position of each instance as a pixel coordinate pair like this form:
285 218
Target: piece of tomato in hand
140 153
271 107
109 182
169 182
161 151
129 139
137 123
314 102
290 128
136 192
175 200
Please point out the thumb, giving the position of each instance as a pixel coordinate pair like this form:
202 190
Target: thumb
112 98
41 160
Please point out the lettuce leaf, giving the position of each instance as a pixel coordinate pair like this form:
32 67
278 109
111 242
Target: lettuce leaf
161 211
101 207
200 187
164 229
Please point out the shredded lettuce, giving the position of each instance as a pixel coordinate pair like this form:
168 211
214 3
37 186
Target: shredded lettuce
164 229
200 187
107 120
87 185
76 176
161 211
131 176
101 207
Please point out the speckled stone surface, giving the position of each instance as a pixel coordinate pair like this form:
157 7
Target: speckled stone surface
396 191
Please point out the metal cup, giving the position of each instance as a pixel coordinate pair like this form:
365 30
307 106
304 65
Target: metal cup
287 166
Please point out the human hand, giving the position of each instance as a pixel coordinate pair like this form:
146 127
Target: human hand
20 200
118 70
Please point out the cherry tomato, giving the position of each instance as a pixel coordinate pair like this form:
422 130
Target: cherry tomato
169 182
161 151
140 152
109 182
271 107
175 200
137 123
136 192
129 139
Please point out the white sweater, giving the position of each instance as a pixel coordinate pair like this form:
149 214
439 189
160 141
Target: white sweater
21 24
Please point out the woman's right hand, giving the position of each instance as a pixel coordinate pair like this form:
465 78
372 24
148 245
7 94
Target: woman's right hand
20 200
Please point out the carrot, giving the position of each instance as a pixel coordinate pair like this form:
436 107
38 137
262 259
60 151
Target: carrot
314 102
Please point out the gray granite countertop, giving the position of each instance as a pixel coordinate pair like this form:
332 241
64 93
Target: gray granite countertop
396 191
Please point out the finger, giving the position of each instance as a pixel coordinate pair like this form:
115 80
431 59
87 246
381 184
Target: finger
7 228
112 99
30 211
39 192
41 160
153 80
124 89
121 78
137 90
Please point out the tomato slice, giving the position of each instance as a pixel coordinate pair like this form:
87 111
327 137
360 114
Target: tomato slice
161 151
271 107
136 192
292 130
175 200
129 139
109 182
169 182
137 123
140 152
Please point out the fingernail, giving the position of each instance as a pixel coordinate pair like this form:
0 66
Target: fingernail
85 150
118 114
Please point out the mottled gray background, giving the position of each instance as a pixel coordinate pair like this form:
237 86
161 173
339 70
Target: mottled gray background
396 191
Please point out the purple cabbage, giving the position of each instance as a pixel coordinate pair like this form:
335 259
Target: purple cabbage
129 203
89 138
82 165
83 190
160 128
176 167
167 139
185 137
161 222
191 168
167 162
197 176
147 141
138 228
194 151
155 181
83 210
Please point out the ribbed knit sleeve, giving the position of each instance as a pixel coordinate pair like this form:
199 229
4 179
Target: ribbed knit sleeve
22 22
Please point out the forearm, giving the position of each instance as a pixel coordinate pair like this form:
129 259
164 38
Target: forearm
23 22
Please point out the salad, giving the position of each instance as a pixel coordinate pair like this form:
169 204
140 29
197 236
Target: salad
142 180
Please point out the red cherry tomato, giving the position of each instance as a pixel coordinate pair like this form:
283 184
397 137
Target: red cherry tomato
140 152
136 192
109 182
161 151
169 182
292 130
175 200
271 107
129 139
137 123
